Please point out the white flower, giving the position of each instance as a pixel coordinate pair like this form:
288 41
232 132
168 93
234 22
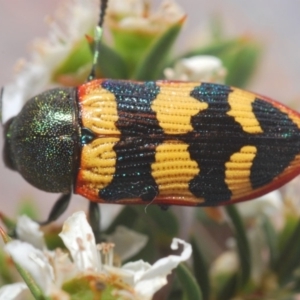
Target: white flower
72 21
34 261
147 279
78 237
126 8
135 15
15 291
29 231
197 68
127 242
290 194
50 269
225 264
267 205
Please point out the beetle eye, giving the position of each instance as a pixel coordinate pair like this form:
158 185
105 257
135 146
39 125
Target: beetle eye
8 161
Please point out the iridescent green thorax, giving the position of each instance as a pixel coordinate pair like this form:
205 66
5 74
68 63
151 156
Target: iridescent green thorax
41 142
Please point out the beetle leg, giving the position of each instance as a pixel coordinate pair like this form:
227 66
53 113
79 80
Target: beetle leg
94 218
164 207
58 208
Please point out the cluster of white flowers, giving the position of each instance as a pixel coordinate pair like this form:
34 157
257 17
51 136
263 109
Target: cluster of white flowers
197 68
51 269
72 21
135 15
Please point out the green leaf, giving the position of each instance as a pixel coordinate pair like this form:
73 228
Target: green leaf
271 239
28 207
131 45
153 61
79 57
228 288
9 223
5 274
215 49
188 282
242 64
150 252
53 240
288 260
127 217
33 287
200 270
160 226
239 56
242 245
291 222
111 64
164 220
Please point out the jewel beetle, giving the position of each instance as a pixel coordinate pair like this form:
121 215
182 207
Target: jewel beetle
161 142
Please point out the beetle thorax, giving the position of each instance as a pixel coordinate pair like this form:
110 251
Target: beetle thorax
41 142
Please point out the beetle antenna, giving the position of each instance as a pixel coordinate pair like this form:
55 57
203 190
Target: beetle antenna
97 38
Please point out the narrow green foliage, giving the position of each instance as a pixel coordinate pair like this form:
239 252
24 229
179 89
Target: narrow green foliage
33 287
79 57
153 61
127 217
240 57
160 226
272 240
215 49
241 65
28 207
200 270
291 222
288 260
131 46
189 284
228 288
5 274
242 245
10 225
110 64
53 240
164 220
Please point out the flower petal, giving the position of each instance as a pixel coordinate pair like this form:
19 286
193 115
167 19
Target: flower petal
147 288
197 68
267 205
127 242
15 291
156 276
72 21
78 237
126 8
29 231
165 265
34 261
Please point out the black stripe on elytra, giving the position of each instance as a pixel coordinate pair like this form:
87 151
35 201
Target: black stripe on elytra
135 116
216 136
277 146
135 151
132 178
